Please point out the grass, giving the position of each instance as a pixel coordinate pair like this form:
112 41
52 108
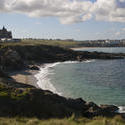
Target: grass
61 43
13 94
67 121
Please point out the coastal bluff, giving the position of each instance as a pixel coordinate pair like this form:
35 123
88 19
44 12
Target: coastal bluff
16 57
17 99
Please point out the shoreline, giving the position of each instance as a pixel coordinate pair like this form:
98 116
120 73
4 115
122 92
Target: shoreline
93 47
43 82
25 77
39 78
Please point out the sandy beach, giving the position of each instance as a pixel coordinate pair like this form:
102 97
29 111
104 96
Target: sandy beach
25 76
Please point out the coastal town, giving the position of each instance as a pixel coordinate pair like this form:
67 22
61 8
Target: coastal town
6 36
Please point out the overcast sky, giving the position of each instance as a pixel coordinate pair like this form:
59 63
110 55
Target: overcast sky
65 19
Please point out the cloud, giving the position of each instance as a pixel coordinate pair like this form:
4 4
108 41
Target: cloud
68 11
120 32
110 10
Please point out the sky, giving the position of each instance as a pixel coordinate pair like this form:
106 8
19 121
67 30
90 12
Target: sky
64 19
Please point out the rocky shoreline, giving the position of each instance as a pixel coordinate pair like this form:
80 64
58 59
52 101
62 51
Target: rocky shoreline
33 102
20 57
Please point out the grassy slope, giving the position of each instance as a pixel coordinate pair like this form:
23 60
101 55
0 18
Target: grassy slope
70 121
66 44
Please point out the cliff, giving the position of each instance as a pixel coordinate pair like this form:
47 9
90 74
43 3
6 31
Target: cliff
17 99
15 57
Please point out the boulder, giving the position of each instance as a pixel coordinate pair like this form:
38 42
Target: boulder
109 108
92 107
78 103
34 67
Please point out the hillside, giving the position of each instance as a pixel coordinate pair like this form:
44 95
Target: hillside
32 102
21 100
20 55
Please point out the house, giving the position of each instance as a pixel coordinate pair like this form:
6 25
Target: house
4 34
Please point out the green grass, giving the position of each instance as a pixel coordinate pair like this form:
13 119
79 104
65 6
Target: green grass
70 121
11 93
61 43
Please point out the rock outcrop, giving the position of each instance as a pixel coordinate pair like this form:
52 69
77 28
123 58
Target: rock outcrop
17 99
19 56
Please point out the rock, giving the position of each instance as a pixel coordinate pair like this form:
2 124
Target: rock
92 107
109 108
78 103
34 67
12 60
2 74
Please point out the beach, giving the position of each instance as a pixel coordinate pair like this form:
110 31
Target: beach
25 76
67 84
37 78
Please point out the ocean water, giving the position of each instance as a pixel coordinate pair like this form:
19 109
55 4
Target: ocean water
100 81
103 49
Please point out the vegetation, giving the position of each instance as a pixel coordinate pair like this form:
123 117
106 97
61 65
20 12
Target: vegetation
67 121
19 55
26 102
60 43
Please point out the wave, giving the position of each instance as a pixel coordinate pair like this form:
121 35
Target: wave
88 61
121 109
44 82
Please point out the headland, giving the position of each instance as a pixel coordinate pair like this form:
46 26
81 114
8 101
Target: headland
30 101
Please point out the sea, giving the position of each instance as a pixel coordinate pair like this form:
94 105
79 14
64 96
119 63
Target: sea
98 81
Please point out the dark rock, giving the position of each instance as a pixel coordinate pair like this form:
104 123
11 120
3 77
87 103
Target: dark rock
12 60
109 108
34 67
2 74
19 56
78 104
92 107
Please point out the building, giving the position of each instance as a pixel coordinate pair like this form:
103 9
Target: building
4 34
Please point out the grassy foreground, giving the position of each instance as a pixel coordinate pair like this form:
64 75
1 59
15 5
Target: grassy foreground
70 121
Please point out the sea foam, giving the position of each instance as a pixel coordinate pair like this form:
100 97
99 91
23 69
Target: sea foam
43 81
121 109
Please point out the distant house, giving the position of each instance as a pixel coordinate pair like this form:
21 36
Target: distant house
4 34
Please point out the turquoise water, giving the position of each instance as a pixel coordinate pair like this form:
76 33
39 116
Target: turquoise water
101 81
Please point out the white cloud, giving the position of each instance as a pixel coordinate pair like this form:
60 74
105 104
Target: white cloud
120 32
110 10
68 11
